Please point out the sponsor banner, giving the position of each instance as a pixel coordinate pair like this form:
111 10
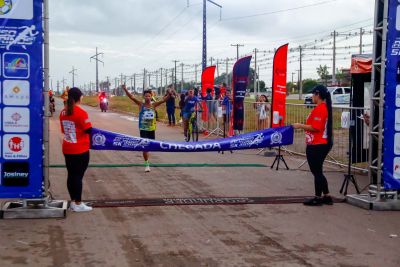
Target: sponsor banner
15 174
22 98
391 140
16 93
15 146
16 9
105 140
279 87
240 79
16 120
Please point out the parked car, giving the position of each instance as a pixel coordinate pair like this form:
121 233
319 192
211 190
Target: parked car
339 95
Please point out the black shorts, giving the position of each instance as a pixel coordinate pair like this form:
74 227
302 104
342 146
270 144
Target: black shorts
148 134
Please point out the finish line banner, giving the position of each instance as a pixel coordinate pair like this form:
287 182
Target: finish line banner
105 140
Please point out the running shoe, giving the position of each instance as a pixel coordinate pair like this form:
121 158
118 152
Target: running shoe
327 200
79 208
147 169
316 201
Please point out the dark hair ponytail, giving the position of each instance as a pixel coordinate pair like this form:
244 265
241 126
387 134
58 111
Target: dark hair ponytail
74 95
70 106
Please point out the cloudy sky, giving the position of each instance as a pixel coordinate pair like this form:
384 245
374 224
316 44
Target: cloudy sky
138 34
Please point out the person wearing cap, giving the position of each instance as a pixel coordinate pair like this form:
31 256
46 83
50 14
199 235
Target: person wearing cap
76 127
319 140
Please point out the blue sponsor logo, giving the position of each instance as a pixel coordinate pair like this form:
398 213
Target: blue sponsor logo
16 65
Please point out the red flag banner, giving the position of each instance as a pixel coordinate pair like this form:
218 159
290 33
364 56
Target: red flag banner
207 81
279 86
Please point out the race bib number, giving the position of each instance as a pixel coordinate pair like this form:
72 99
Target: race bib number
148 115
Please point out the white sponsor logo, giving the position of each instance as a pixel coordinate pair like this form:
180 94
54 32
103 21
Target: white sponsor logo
130 142
397 143
15 146
188 147
98 139
16 9
16 93
16 175
18 36
16 120
398 96
276 138
397 120
247 142
396 168
69 131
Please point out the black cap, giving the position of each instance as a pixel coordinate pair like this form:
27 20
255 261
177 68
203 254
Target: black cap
320 90
75 93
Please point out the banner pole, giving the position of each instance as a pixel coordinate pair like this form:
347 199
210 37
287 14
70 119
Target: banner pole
46 129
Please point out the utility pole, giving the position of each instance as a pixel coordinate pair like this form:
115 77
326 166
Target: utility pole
96 58
134 82
149 79
237 49
58 87
217 68
144 80
174 82
73 75
334 59
361 39
108 84
116 86
255 72
293 73
181 77
204 54
63 82
211 61
300 85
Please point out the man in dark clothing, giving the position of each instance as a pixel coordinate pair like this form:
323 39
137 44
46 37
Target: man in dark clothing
171 106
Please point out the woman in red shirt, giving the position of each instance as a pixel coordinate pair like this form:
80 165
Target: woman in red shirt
319 139
76 127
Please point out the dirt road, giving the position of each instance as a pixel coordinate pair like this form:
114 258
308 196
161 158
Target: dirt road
245 235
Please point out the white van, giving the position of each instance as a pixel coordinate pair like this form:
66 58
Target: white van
340 95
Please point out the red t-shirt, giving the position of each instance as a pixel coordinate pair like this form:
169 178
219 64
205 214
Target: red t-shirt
76 141
318 119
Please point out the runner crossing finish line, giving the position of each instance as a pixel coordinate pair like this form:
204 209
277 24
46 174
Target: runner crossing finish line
273 137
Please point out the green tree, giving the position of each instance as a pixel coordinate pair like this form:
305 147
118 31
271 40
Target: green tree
308 85
323 73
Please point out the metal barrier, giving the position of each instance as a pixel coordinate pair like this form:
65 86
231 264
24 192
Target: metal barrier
350 133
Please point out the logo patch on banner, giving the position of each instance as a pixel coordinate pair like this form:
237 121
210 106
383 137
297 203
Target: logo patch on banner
16 120
16 9
247 142
20 37
127 142
276 138
99 139
15 174
16 93
15 146
16 65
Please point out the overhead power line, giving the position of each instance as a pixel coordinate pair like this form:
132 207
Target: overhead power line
279 11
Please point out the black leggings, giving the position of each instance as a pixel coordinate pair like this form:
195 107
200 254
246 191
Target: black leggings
316 155
76 167
171 116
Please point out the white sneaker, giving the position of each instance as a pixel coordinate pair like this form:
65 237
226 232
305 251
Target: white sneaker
79 208
147 169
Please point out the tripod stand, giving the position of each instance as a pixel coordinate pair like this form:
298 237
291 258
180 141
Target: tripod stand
349 177
279 158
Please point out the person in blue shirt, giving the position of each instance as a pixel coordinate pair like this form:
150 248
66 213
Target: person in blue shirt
191 103
227 111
